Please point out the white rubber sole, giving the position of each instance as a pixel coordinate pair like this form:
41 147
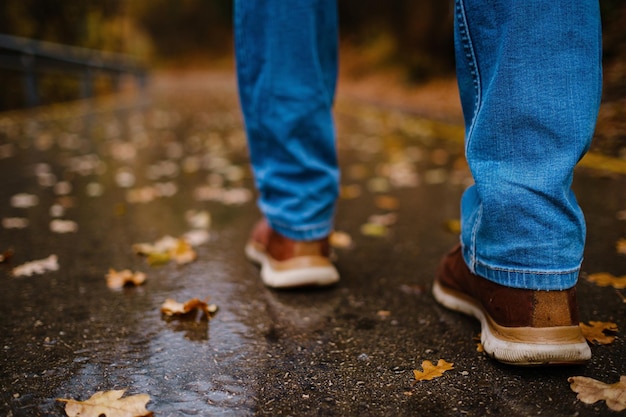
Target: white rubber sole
290 278
536 346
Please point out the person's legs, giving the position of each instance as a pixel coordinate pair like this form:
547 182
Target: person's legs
530 79
286 55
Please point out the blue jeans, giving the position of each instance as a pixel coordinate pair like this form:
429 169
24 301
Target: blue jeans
287 71
529 76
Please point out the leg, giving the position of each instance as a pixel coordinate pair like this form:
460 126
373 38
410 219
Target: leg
530 81
287 68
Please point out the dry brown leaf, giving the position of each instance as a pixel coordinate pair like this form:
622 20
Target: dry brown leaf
604 279
431 371
386 202
594 332
117 279
348 192
383 314
173 308
6 255
109 404
591 391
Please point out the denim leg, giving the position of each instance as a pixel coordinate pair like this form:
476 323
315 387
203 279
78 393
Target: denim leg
286 53
530 80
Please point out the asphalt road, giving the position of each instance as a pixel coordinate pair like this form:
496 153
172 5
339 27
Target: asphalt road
84 182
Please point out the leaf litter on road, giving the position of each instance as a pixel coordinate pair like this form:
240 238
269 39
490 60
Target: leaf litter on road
172 307
595 332
108 404
118 279
431 371
605 279
36 267
590 391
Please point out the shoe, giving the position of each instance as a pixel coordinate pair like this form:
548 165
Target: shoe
287 263
518 326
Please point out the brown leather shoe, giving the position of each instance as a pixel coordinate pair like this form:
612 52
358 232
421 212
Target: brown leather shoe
518 326
287 263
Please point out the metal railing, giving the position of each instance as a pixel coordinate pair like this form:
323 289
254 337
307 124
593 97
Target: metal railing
33 58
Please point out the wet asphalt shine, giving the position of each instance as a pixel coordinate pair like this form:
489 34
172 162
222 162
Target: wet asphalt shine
86 181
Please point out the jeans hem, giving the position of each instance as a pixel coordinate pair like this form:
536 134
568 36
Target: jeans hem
307 232
541 280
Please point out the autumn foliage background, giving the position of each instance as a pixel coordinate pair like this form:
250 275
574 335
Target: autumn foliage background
411 39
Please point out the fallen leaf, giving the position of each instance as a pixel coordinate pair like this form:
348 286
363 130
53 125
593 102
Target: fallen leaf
36 267
165 249
109 404
117 279
183 253
383 314
378 185
620 246
198 219
594 332
24 200
172 307
349 192
385 202
197 237
431 371
604 279
591 391
374 229
63 226
388 219
6 255
453 226
14 223
339 239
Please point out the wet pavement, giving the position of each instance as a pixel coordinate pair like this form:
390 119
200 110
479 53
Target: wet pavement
125 170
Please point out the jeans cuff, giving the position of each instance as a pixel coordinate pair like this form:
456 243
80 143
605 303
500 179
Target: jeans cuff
306 232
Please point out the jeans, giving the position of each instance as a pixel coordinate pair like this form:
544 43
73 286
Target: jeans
529 76
286 54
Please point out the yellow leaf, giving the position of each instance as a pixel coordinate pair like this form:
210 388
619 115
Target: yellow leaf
374 229
431 371
158 258
117 279
183 253
453 226
109 404
620 246
594 332
166 249
604 279
590 391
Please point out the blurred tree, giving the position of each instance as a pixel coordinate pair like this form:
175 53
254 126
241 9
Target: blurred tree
414 35
186 30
